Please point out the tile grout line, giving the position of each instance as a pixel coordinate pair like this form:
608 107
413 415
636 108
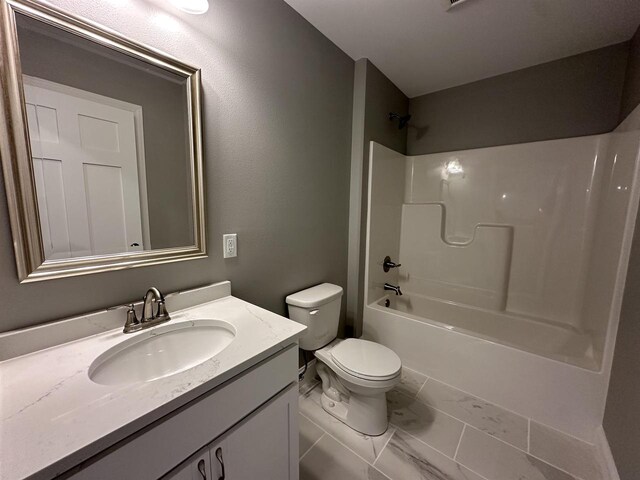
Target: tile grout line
340 442
464 425
396 427
311 447
352 451
455 454
508 444
528 419
482 477
572 437
425 443
385 444
325 432
422 387
480 398
372 464
573 476
312 422
429 405
421 384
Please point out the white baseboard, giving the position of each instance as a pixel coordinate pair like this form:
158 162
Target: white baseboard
602 444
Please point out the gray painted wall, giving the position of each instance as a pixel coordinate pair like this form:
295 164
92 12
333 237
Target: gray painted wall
622 416
381 97
631 91
573 96
61 58
277 129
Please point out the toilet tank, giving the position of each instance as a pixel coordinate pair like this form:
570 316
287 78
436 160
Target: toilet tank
319 309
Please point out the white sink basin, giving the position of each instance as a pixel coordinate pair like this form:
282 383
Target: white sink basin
162 351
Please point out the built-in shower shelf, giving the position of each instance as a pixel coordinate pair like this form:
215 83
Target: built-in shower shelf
474 272
458 240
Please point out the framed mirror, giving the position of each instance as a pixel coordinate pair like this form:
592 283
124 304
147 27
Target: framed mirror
101 144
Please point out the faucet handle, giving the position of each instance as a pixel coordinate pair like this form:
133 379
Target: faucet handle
132 324
162 310
387 264
131 314
130 306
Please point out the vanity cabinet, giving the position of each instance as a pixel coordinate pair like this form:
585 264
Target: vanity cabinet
251 421
261 446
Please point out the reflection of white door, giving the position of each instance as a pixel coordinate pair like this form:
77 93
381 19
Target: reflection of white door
86 172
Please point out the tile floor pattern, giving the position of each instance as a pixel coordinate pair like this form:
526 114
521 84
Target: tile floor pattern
437 432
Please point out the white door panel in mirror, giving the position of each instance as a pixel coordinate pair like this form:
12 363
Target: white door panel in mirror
87 177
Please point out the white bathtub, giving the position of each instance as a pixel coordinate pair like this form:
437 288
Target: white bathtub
534 385
556 341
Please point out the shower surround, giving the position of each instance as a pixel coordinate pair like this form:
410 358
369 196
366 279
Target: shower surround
513 265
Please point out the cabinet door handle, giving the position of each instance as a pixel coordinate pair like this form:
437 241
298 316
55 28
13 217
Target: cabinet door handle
219 457
202 470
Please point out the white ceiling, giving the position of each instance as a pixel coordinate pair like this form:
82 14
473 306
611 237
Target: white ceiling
422 48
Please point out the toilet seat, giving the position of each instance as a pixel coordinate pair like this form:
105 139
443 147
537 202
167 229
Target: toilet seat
366 360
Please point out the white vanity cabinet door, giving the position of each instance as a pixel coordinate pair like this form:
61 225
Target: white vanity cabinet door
197 467
264 446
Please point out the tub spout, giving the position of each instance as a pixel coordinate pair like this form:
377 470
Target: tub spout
393 288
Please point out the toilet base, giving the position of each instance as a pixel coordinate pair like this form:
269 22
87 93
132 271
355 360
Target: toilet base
367 415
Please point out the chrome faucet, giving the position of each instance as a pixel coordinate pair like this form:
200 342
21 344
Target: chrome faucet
393 288
153 295
148 318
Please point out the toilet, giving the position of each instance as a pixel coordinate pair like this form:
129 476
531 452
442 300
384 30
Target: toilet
356 374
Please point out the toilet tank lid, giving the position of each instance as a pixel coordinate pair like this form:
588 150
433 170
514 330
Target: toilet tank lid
315 296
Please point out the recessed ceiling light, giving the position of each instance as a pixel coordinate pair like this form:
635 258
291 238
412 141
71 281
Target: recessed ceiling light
195 7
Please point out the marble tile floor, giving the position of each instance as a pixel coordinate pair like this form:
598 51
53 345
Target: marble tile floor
437 432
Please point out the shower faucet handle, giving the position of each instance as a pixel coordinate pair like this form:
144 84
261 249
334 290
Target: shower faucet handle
387 264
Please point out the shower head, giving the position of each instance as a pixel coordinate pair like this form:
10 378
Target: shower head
403 119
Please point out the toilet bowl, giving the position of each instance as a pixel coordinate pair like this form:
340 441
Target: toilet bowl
356 374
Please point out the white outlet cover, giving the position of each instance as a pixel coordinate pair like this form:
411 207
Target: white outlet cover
230 245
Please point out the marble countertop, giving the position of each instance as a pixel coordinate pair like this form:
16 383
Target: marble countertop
52 416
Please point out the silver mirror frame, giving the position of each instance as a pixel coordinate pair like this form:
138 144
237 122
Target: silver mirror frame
15 149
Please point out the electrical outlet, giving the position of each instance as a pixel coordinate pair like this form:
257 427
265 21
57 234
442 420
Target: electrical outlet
230 245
